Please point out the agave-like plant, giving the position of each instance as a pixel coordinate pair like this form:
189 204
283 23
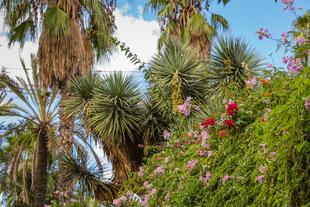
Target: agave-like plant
234 61
178 72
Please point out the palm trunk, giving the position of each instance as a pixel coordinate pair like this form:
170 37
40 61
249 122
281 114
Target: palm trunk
40 178
65 145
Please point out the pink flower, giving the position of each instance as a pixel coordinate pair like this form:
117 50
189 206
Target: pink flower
159 170
210 153
166 134
153 191
197 108
117 202
244 65
202 179
284 60
301 40
259 179
123 198
263 146
140 174
166 159
270 66
261 169
208 176
225 178
272 155
307 102
147 185
191 164
284 36
263 33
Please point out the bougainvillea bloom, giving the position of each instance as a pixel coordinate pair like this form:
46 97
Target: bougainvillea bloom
284 37
166 134
191 164
261 168
263 33
229 123
307 104
222 133
259 179
208 122
232 108
225 178
117 202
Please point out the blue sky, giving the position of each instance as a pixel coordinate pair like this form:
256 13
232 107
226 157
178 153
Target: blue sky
245 18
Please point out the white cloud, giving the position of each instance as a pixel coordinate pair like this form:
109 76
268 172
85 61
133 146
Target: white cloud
140 35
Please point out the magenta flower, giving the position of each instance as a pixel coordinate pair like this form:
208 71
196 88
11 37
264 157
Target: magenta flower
197 108
263 33
261 169
166 134
123 198
153 191
263 146
208 176
259 179
284 36
307 102
285 60
117 202
202 179
191 164
270 66
225 178
159 170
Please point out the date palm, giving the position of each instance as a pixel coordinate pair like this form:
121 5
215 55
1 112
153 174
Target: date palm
72 31
187 20
37 108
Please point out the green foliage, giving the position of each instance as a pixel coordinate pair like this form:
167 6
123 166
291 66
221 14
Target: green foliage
56 22
271 115
232 60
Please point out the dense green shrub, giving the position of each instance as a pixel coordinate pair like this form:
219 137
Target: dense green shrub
265 156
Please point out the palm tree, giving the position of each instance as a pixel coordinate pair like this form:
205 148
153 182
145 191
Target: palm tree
71 32
39 113
187 20
178 71
234 61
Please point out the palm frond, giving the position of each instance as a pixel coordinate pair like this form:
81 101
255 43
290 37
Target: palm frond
88 177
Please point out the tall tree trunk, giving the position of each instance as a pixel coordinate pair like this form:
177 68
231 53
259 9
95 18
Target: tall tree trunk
65 145
40 178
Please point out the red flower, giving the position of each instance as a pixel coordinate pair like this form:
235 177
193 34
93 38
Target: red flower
232 109
229 123
208 122
222 133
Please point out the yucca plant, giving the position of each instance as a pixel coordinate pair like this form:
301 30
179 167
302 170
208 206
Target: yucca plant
39 113
179 73
232 61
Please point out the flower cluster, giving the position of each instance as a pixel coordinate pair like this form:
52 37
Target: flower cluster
300 40
266 115
208 122
166 134
191 164
159 170
284 37
250 83
118 202
307 104
263 33
229 123
289 5
185 108
222 133
264 81
293 65
204 180
232 108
